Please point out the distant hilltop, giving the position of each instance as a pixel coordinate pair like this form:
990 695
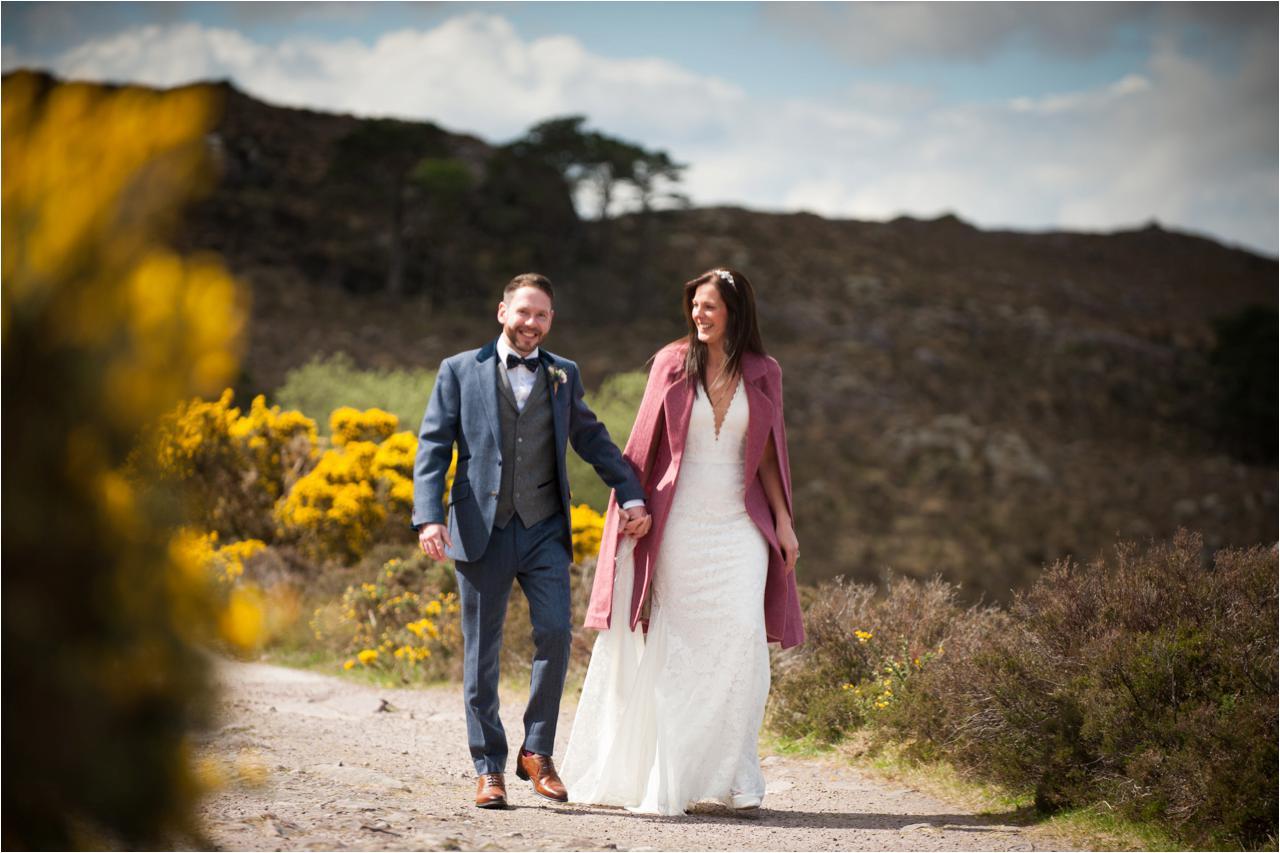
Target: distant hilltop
975 403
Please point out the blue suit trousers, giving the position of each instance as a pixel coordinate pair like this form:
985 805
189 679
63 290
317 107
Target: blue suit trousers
538 557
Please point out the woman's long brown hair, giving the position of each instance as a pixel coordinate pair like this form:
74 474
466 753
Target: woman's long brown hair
743 333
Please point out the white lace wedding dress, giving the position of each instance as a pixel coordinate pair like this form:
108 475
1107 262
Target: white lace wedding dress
673 718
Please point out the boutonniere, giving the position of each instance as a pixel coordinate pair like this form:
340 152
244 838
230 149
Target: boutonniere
558 378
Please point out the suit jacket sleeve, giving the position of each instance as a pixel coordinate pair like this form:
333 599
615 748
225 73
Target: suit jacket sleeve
436 437
590 440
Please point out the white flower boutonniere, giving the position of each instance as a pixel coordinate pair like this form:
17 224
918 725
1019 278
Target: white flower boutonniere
558 378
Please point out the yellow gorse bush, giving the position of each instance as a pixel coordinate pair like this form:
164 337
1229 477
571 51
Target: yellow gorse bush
348 424
200 551
233 467
391 625
335 509
279 443
587 529
105 329
260 475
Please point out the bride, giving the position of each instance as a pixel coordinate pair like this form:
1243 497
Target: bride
675 693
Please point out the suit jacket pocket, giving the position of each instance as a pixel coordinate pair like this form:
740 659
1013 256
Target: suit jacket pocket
461 491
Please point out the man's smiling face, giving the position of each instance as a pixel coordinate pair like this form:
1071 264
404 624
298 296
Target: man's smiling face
526 318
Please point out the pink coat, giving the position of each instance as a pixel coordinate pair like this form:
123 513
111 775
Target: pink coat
661 426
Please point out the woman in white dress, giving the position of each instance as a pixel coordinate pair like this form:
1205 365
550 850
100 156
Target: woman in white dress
672 716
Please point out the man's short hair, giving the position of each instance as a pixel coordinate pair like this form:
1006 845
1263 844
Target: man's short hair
529 279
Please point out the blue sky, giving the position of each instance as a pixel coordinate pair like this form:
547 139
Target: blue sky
1090 116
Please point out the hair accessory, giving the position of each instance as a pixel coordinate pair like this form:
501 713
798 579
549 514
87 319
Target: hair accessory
727 276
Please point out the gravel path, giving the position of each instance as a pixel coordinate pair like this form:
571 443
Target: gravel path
321 763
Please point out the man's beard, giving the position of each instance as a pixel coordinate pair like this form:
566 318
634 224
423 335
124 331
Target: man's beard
513 340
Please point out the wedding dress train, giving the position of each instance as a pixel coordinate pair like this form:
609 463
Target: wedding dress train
673 718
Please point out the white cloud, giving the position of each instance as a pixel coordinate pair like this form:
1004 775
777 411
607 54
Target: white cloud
875 33
1130 84
1181 141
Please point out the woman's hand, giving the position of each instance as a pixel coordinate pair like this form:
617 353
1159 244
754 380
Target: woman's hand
789 544
638 521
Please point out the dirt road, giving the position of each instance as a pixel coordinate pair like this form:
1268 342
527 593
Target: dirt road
321 763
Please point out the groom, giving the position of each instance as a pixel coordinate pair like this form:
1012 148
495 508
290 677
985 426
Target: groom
509 407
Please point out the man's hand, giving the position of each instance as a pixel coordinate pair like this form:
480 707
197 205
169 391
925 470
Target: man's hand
637 522
433 539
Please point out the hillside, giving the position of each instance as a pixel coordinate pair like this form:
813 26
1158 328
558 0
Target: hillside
966 402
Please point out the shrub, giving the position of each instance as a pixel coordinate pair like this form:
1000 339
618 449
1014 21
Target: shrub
232 468
359 493
587 528
857 640
395 623
350 424
1146 680
324 385
105 329
335 510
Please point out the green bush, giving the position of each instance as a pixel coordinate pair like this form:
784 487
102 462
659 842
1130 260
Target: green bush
324 384
615 404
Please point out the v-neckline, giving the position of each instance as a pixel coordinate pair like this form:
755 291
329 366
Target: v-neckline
718 424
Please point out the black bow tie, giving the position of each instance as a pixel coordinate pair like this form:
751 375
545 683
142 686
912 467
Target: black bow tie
514 360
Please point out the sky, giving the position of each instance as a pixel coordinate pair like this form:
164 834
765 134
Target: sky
1027 116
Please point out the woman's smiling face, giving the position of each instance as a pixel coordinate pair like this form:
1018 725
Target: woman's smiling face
710 316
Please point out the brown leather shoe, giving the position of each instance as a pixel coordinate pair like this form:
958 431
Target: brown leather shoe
540 770
491 791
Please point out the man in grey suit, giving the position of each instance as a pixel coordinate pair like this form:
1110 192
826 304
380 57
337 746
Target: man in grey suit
510 407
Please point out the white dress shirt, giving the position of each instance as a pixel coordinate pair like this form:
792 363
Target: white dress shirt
521 379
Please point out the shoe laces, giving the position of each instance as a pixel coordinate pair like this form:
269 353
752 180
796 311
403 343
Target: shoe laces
493 780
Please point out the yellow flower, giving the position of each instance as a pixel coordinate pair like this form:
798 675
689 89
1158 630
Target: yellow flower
862 636
587 529
243 622
367 656
350 663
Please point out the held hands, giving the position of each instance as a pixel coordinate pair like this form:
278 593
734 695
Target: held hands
433 539
637 521
789 544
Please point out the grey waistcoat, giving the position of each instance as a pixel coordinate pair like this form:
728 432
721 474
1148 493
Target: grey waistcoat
530 483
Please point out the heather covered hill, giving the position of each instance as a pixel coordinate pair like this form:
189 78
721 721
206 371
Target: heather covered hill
965 402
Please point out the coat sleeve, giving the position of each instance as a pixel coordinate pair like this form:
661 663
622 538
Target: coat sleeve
647 428
644 435
779 432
